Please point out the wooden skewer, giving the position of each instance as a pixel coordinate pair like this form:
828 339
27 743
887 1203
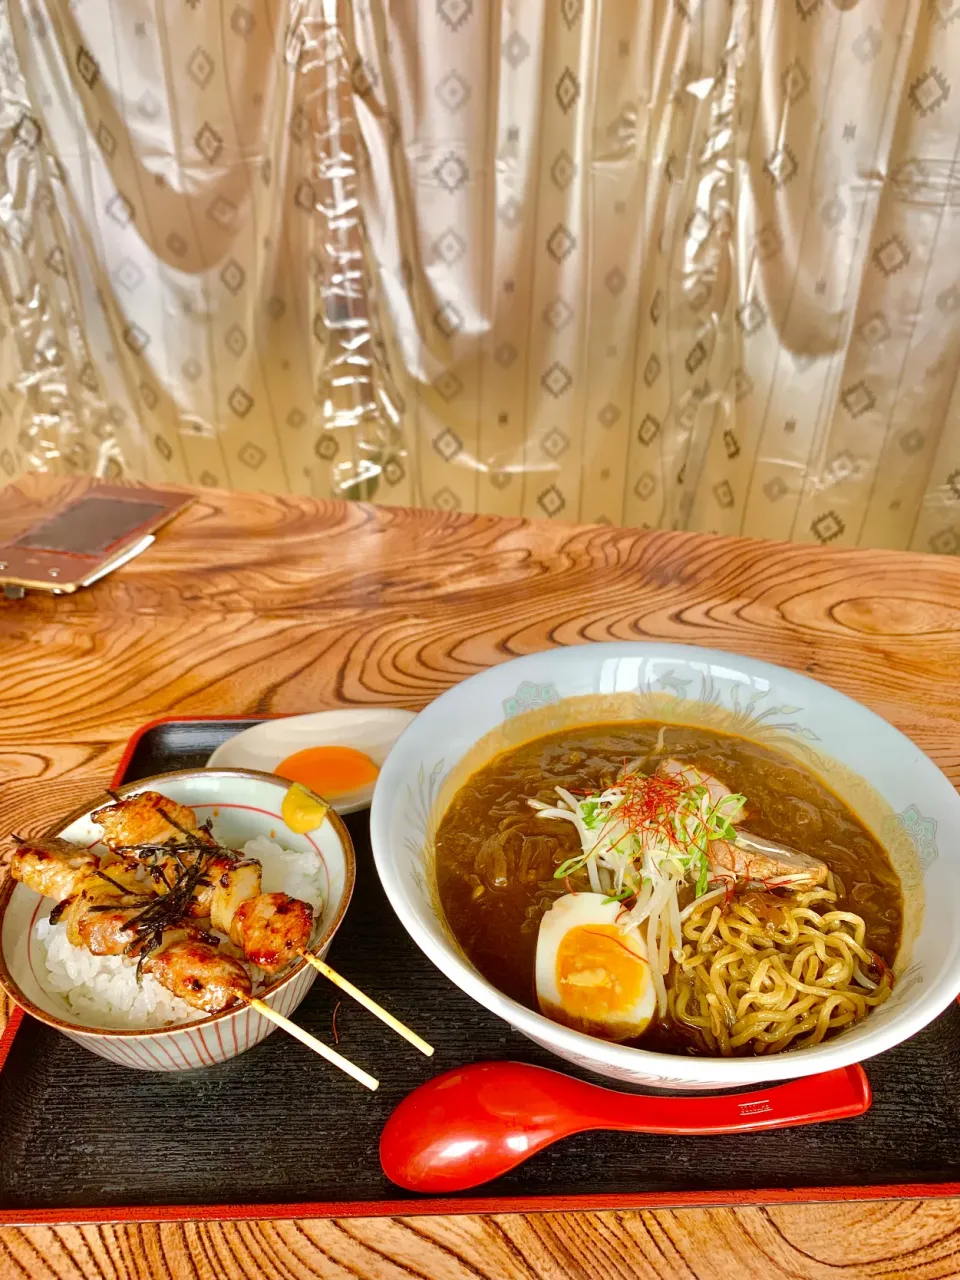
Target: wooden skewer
377 1010
312 1042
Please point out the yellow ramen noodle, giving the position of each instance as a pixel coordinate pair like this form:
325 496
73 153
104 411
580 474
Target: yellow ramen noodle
757 973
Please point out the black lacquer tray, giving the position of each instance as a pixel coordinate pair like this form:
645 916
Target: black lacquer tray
278 1133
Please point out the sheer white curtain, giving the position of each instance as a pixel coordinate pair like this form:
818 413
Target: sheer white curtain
649 262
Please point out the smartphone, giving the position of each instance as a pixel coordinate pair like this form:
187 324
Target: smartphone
86 539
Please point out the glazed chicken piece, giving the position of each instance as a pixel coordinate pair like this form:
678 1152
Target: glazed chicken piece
271 929
140 819
237 884
199 973
103 904
123 877
166 870
52 867
749 857
98 923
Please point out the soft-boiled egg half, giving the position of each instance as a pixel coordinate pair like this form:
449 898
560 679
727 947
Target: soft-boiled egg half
590 974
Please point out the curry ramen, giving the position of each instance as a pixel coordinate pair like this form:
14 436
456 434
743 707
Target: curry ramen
671 887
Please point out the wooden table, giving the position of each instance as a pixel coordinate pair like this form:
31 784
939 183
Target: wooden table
256 604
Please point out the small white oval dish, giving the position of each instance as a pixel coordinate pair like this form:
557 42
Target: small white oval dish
372 730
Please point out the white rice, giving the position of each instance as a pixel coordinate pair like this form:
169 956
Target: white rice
102 991
286 871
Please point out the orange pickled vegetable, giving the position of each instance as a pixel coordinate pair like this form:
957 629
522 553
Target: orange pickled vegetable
329 771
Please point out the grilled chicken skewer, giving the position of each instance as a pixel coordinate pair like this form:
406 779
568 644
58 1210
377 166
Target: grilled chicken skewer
271 929
103 907
93 904
100 909
150 830
197 971
98 921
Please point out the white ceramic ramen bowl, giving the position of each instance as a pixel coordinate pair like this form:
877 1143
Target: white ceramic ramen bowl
243 805
887 780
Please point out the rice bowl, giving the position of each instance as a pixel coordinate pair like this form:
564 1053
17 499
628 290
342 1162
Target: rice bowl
105 991
134 1025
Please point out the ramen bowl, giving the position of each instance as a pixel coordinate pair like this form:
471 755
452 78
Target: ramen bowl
884 778
243 805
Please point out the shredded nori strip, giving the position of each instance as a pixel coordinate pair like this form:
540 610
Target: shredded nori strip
169 909
130 893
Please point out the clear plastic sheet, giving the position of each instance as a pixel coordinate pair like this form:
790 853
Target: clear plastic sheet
657 262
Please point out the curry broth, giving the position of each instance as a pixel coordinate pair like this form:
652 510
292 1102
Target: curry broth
495 858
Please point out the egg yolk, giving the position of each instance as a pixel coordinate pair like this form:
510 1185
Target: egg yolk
598 974
330 771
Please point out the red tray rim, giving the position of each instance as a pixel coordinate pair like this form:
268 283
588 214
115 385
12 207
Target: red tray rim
421 1206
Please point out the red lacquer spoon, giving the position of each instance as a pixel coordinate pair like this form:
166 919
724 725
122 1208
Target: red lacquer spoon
478 1122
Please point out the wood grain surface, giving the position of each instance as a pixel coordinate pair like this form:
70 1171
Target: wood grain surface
253 604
